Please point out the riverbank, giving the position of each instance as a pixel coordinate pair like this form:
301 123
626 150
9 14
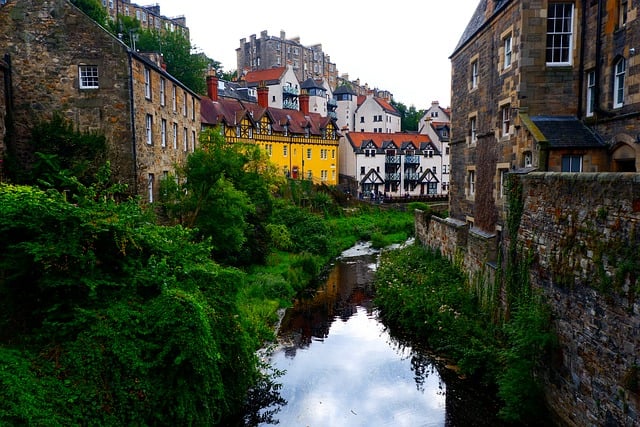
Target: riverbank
424 296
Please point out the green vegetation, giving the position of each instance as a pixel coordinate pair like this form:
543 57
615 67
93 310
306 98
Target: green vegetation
107 315
503 344
421 293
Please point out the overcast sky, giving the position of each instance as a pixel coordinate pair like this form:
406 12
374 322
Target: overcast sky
402 46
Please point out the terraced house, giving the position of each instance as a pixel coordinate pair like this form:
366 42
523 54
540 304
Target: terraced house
62 61
302 143
541 85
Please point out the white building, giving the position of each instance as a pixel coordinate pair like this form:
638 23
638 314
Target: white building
436 123
376 115
391 165
284 88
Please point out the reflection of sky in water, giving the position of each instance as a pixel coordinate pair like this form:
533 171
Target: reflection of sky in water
356 377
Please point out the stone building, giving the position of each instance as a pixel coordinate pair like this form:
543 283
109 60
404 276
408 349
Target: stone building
150 119
271 51
149 16
302 143
541 85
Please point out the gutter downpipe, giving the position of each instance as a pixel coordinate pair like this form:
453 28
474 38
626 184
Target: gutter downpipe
581 65
133 125
598 57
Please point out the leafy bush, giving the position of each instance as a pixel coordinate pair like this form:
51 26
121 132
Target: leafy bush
121 322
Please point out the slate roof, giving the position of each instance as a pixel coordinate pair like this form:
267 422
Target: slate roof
478 20
563 132
311 84
344 89
232 111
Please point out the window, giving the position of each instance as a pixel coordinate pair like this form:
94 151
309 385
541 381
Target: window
147 83
308 153
434 114
150 183
571 163
163 133
622 15
193 109
174 99
472 182
284 150
505 115
175 136
591 91
473 130
528 159
184 104
503 182
507 52
559 33
618 83
324 174
88 76
162 91
361 119
474 74
361 170
185 139
149 129
193 140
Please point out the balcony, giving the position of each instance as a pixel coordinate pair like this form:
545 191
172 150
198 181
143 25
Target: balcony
290 91
412 160
395 160
392 177
411 176
288 104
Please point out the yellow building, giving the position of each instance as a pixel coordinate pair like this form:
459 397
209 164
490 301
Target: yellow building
303 144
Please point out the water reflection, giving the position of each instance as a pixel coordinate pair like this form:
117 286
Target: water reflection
343 368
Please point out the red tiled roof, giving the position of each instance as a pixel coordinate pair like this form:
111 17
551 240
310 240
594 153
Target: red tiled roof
356 139
270 74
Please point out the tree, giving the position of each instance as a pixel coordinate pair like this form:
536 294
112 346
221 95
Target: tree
94 9
183 63
120 322
410 117
226 193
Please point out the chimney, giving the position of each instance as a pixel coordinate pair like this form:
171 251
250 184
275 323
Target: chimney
304 102
263 95
212 87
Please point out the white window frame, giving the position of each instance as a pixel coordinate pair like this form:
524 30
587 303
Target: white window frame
185 139
572 159
473 129
508 41
559 46
619 69
150 185
175 136
163 133
474 74
505 118
591 93
147 83
163 84
471 178
88 77
149 129
174 98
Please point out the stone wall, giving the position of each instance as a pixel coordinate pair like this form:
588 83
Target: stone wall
582 232
47 41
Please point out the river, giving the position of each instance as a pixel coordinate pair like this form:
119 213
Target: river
342 367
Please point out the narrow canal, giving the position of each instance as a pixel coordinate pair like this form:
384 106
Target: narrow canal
342 367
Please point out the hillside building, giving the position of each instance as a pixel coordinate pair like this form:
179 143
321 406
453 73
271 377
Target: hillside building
302 143
268 52
149 16
150 119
